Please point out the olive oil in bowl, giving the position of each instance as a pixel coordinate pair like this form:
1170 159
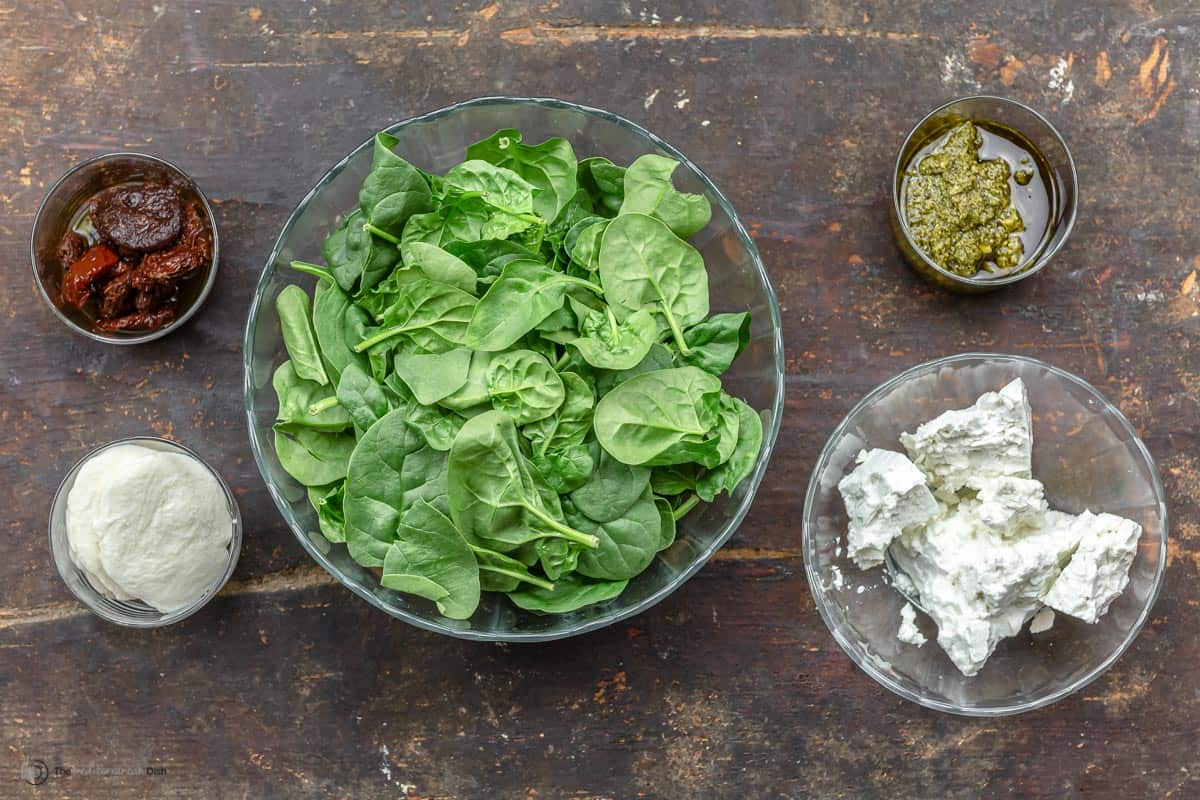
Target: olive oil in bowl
984 209
983 194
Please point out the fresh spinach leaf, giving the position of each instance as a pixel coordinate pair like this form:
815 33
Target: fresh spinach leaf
501 573
314 458
363 398
569 594
432 316
611 490
523 384
430 559
605 182
327 501
564 468
609 344
390 469
495 497
584 249
434 376
438 265
667 514
437 425
627 543
488 257
658 357
394 189
339 325
499 187
297 396
293 308
570 426
664 417
557 557
644 265
675 479
523 296
726 476
355 257
474 392
549 166
649 190
717 341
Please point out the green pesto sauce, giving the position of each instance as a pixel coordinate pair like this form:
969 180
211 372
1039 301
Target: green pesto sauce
959 208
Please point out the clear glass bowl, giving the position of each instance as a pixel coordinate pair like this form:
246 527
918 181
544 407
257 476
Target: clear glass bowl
436 142
131 613
63 203
1087 455
1063 182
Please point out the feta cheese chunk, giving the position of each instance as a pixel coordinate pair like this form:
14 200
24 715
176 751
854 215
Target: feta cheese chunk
993 438
1099 570
1042 621
978 585
1008 505
884 496
909 632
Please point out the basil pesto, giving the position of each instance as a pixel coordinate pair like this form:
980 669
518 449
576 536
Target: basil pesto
959 208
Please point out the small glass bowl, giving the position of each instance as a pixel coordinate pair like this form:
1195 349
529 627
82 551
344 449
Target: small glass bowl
62 205
1087 455
1034 127
737 282
131 613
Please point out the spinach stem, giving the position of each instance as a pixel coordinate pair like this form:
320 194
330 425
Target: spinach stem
685 507
585 539
563 360
612 324
381 233
323 405
524 577
313 269
381 336
684 350
585 284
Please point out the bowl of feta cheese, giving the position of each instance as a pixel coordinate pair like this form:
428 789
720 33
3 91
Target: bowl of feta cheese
985 534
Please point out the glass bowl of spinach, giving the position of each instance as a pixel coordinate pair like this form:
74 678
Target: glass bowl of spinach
513 370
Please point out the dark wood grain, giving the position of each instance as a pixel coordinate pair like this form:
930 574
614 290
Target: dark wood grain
288 687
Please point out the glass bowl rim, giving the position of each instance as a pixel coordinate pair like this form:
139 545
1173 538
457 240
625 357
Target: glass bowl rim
235 542
886 680
1047 255
753 481
188 312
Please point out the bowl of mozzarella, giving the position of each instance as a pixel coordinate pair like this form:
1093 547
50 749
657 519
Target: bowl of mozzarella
985 534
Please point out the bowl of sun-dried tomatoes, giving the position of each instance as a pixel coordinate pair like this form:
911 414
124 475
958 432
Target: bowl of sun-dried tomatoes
124 248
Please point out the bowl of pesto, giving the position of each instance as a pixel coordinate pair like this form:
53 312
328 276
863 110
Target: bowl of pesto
983 194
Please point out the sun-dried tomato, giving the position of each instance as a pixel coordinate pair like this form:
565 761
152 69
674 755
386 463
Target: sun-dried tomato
192 252
93 267
138 216
140 320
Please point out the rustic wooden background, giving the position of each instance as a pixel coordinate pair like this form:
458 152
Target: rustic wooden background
289 687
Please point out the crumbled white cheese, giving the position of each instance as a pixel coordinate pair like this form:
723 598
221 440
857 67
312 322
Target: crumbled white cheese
977 584
993 555
909 632
1009 505
149 525
885 495
1042 621
1099 569
903 584
992 438
838 581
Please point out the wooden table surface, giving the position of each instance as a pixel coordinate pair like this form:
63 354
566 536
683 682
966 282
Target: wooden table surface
287 686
